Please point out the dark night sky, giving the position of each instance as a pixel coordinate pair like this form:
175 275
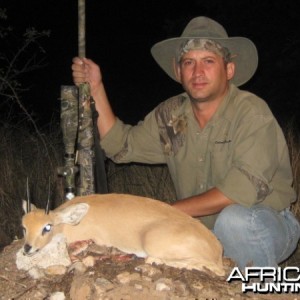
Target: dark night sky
121 33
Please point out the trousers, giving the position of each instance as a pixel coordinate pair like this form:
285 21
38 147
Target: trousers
257 236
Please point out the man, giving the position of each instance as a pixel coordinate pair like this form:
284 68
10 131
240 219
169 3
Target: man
225 151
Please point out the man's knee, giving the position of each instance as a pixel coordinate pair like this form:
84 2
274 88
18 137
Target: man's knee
232 218
235 228
258 234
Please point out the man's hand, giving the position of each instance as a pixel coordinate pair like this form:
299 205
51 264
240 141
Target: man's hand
85 70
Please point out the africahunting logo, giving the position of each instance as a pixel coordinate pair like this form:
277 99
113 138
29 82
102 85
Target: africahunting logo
265 280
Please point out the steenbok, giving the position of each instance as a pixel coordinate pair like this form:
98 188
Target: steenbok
133 224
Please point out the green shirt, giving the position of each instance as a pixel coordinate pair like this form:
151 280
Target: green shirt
241 150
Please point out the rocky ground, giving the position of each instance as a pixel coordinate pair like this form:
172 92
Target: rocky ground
107 274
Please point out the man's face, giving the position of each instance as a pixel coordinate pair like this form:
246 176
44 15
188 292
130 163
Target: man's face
204 75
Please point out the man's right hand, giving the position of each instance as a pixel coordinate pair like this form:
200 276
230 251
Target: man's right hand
85 70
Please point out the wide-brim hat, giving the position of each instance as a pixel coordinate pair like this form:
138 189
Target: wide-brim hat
243 50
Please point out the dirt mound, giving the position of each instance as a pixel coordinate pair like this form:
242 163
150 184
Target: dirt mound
114 276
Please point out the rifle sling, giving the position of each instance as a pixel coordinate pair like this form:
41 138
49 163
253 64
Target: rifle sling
100 173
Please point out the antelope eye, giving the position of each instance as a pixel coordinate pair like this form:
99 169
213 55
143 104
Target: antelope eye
24 230
46 229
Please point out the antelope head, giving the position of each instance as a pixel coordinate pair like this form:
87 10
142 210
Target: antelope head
40 226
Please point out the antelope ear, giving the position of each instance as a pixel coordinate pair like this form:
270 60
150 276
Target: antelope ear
24 206
72 214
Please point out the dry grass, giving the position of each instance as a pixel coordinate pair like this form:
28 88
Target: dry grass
23 155
293 140
152 181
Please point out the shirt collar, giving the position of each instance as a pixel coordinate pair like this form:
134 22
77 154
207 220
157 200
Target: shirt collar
221 112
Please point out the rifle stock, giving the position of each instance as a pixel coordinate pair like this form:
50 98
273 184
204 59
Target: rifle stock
85 143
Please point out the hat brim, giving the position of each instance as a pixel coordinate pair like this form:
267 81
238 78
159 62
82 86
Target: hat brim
242 50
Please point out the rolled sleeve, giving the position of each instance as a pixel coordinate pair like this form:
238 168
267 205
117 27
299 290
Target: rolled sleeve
254 162
112 142
139 143
238 187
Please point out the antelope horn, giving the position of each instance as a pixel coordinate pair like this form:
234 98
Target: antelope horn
28 207
48 200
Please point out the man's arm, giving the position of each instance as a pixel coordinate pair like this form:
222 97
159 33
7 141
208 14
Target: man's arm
85 70
208 203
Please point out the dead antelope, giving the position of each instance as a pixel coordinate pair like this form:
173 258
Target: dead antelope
136 225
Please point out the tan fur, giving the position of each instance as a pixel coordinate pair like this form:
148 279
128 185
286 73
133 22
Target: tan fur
142 226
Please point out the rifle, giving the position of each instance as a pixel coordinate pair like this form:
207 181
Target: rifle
89 156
